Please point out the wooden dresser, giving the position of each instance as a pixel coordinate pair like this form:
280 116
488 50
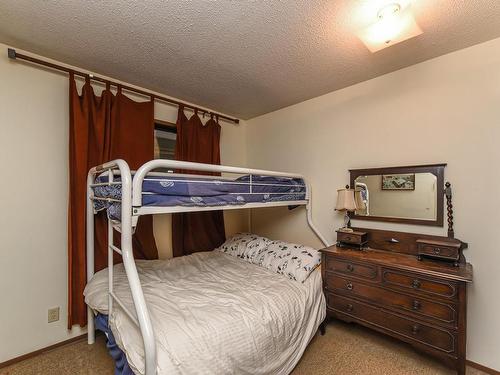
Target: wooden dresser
386 288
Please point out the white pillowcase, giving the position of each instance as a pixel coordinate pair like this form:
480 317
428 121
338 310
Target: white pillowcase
294 261
245 246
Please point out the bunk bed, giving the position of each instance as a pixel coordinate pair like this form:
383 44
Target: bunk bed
145 318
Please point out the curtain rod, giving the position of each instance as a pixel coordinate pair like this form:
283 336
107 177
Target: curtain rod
14 55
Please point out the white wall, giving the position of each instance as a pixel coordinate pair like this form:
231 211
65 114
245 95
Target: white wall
34 119
443 110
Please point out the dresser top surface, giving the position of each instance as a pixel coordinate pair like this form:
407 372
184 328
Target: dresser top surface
403 261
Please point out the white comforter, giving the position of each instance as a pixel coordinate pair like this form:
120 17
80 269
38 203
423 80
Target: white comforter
213 313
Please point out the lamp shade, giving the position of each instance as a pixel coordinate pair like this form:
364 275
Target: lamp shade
345 200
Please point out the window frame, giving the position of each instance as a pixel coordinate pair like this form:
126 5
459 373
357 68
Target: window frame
165 126
169 127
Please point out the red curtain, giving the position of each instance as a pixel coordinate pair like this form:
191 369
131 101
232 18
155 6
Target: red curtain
197 231
102 128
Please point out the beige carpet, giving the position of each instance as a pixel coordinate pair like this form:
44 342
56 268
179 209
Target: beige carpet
345 349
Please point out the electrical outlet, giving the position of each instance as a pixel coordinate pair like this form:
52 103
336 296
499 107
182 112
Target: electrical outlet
53 315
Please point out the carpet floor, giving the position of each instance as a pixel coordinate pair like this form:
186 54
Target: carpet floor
345 349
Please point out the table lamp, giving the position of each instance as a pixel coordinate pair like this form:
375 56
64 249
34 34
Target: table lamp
347 203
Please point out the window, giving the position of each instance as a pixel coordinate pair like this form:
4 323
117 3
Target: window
165 137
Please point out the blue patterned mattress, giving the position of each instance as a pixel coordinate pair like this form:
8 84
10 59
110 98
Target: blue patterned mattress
121 365
191 191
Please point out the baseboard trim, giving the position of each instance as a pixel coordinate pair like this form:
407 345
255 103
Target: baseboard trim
43 350
84 337
482 368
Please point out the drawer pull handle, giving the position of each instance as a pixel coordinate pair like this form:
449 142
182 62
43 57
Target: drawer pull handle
348 238
416 284
416 305
437 250
415 329
349 286
393 240
350 267
350 307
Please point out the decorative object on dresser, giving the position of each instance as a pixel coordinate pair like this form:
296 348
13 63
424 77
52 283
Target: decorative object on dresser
346 203
447 249
449 209
352 239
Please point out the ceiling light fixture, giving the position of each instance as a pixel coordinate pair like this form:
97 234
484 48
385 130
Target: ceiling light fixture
392 25
389 11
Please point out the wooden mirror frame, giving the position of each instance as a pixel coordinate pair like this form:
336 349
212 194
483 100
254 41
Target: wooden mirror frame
435 169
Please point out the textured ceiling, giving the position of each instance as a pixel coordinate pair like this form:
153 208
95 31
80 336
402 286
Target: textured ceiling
243 58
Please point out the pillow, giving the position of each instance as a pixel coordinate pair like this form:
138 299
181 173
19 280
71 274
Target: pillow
294 261
244 245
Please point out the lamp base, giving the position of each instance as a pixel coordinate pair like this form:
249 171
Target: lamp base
347 222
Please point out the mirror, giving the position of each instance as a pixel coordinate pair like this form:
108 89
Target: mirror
400 194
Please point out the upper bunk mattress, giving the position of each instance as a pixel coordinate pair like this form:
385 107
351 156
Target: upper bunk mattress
192 191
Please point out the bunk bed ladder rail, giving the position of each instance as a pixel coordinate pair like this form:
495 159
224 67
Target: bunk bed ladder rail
310 217
143 320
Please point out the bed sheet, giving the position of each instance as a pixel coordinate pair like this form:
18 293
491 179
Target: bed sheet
215 314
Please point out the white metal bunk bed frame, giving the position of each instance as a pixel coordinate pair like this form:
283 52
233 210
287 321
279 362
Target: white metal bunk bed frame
131 209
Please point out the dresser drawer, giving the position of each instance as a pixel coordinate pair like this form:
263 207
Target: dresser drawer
419 284
349 268
421 308
440 339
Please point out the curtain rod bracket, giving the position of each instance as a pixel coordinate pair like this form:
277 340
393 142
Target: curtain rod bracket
11 53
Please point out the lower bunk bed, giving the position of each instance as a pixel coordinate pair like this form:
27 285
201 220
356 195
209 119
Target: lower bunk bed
248 307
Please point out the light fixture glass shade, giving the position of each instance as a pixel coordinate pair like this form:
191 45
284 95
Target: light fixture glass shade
390 28
345 200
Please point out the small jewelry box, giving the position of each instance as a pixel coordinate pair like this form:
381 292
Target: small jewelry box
440 250
352 239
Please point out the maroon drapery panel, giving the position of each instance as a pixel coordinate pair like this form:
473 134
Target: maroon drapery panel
197 231
102 128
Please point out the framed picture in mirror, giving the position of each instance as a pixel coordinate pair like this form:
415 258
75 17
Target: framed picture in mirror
398 181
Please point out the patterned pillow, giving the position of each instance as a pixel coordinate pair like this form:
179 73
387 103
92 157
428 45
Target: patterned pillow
245 246
294 261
